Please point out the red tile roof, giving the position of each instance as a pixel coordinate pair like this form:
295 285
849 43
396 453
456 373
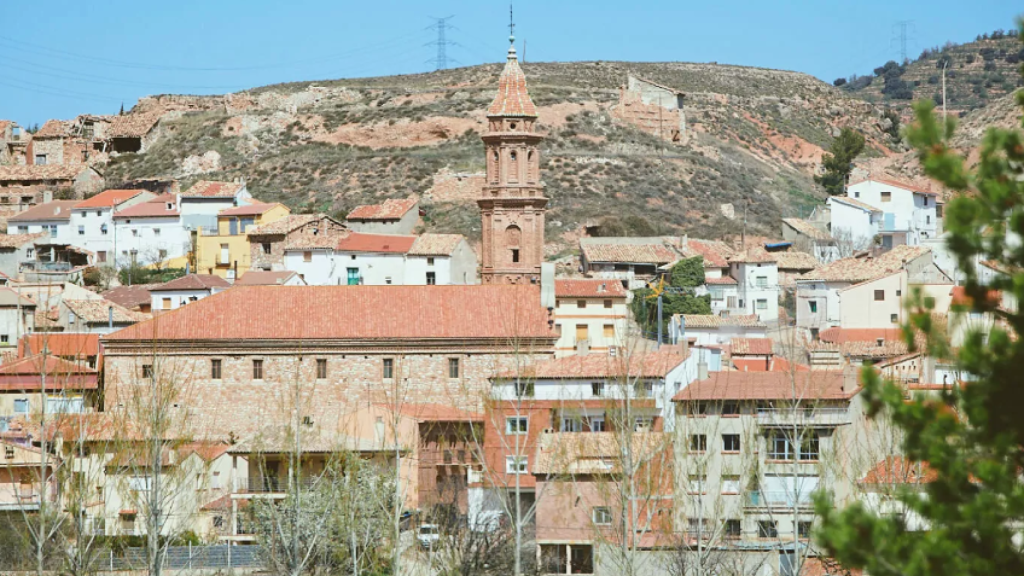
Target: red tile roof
899 470
131 297
803 385
354 312
715 252
435 244
391 209
639 365
286 224
773 364
750 346
193 282
63 344
724 280
359 242
962 299
838 335
264 278
211 189
108 198
27 374
654 252
253 209
898 184
807 229
795 260
38 173
155 208
19 240
714 321
98 311
864 267
56 210
51 128
753 255
589 288
132 125
513 97
436 413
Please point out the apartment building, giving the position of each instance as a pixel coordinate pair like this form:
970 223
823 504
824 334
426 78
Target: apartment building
591 316
393 216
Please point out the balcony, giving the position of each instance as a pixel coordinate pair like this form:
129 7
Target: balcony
269 485
21 502
774 500
822 416
41 266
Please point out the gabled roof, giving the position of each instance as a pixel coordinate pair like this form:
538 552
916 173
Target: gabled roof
513 98
131 297
899 470
108 198
837 335
801 385
11 299
435 244
253 209
98 311
19 240
155 208
28 374
807 229
724 280
589 288
773 364
715 252
363 313
795 260
391 209
754 255
714 321
382 243
854 203
37 172
639 365
898 184
212 189
132 125
63 344
56 210
864 267
193 282
435 413
627 250
265 278
51 129
751 346
286 224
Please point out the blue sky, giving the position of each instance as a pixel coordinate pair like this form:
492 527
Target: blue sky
62 58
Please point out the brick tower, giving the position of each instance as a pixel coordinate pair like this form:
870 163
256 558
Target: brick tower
513 203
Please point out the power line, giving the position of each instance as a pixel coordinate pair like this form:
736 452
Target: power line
902 25
442 43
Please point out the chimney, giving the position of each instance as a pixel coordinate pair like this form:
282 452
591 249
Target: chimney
849 378
110 317
547 285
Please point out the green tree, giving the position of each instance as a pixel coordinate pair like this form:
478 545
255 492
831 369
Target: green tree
684 276
839 161
972 437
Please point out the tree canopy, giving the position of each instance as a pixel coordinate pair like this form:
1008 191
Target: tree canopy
839 161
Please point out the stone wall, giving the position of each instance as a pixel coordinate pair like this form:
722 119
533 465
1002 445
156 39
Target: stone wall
275 259
455 186
52 147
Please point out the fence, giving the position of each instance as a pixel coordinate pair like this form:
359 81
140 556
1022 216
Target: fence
186 558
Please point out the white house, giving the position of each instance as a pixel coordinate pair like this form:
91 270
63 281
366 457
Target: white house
270 278
724 293
590 316
854 223
152 230
92 225
200 204
51 217
181 291
757 280
910 214
378 259
709 330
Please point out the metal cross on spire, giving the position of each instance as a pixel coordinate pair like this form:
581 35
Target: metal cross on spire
511 25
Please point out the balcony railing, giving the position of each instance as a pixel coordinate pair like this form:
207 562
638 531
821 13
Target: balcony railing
803 416
41 266
781 499
268 485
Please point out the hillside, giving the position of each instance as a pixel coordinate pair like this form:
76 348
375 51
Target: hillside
754 136
979 73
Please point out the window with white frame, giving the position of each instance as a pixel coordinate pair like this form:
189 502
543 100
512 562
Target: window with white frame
139 483
696 484
21 405
730 484
762 281
762 304
597 424
571 424
515 465
601 515
517 425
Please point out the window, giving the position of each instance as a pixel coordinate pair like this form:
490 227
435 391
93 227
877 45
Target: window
165 303
9 452
642 424
257 369
321 368
515 465
431 278
53 231
886 196
101 256
900 293
696 484
602 515
225 254
389 368
524 389
856 194
581 332
40 159
928 219
570 424
779 447
135 232
803 529
430 261
731 408
215 481
4 339
698 442
307 256
879 295
453 367
762 281
597 424
22 229
607 303
515 255
99 213
156 231
894 318
643 389
810 447
215 369
265 246
733 529
147 370
609 331
730 484
29 253
813 306
21 405
517 425
81 230
767 529
731 442
139 483
597 389
925 200
762 304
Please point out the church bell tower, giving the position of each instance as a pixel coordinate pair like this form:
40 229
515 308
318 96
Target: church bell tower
513 204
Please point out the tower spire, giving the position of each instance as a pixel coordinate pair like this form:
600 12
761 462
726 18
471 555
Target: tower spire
511 26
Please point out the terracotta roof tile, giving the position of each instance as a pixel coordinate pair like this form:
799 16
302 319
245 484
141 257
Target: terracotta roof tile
36 172
898 184
354 312
855 203
155 208
837 335
714 321
435 244
715 252
264 278
253 209
98 311
193 282
589 288
816 385
807 229
63 344
52 129
795 260
18 240
724 280
132 125
56 210
773 364
131 297
391 209
108 198
754 255
899 470
513 98
863 268
649 365
213 189
284 225
601 250
436 413
323 241
27 374
384 243
750 346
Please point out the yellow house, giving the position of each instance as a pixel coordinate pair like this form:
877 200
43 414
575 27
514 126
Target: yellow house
226 253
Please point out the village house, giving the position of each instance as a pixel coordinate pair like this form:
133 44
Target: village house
152 231
21 478
591 316
393 216
64 385
131 133
15 249
708 329
92 227
380 259
855 224
838 347
53 218
791 265
910 213
134 297
76 180
13 143
17 316
225 250
185 290
267 242
632 261
714 253
810 237
200 204
95 315
757 279
653 108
